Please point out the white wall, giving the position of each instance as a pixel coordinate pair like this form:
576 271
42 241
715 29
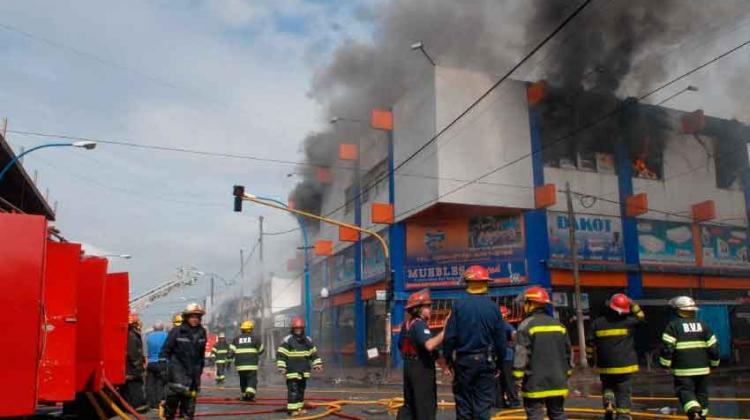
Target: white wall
690 178
285 293
413 125
592 183
493 135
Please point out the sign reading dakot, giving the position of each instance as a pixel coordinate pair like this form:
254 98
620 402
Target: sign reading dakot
438 253
373 258
599 238
724 246
341 267
665 242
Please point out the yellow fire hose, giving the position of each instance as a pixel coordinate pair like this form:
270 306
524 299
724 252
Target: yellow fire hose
121 414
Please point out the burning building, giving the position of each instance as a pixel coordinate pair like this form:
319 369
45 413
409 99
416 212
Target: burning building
660 200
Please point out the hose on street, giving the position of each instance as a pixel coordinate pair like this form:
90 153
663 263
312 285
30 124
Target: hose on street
113 406
94 403
119 397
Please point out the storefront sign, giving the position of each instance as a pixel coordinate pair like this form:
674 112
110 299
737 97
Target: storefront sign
665 242
599 238
724 246
438 253
373 259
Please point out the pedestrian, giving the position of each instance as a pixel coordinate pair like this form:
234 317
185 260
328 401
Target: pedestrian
612 336
246 349
507 396
184 352
135 371
294 358
474 341
220 354
690 351
418 346
156 367
542 361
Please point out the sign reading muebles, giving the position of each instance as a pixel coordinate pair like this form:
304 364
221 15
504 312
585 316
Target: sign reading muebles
437 253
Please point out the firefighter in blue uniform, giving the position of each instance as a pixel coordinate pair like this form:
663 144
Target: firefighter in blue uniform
294 358
690 351
474 342
418 347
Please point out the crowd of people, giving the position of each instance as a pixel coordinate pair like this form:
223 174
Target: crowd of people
168 375
493 363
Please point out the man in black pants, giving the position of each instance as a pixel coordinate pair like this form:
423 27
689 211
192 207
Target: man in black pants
507 396
417 347
135 370
184 352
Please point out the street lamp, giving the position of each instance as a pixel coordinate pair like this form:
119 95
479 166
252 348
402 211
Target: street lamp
419 46
88 145
689 88
336 119
123 256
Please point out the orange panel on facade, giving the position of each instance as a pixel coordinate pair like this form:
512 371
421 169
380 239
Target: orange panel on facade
636 204
348 151
323 175
323 247
369 291
381 119
670 281
589 278
347 234
536 92
704 211
693 122
343 299
545 196
382 213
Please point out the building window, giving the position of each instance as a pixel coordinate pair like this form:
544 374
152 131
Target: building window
729 152
375 181
349 197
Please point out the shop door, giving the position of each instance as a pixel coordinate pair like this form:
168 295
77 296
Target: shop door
717 317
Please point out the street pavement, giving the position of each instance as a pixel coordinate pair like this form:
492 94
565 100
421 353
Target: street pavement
730 392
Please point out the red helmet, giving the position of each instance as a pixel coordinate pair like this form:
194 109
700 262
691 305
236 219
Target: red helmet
504 311
620 303
298 322
419 298
536 294
476 273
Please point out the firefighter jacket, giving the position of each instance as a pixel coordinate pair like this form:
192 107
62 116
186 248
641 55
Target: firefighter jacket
220 352
612 335
690 348
184 352
134 359
542 359
246 350
297 354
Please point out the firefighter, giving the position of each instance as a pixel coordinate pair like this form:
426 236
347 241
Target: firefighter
135 368
220 354
246 349
474 341
417 346
507 397
612 335
294 358
184 352
542 361
690 351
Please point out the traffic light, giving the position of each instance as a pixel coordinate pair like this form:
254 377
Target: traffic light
239 191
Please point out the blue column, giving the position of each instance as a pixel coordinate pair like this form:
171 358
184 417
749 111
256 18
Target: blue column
535 221
746 184
360 314
397 244
629 224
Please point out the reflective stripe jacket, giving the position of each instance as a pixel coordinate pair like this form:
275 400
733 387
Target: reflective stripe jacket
220 352
246 349
542 357
612 335
690 347
297 354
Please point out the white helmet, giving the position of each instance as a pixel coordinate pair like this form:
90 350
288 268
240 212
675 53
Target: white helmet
683 303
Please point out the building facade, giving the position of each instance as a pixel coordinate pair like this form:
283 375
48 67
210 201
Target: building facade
660 200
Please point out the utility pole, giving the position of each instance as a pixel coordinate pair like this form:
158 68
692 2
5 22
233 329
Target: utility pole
242 282
212 291
263 322
582 361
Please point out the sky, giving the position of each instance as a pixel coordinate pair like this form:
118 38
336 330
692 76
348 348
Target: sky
226 76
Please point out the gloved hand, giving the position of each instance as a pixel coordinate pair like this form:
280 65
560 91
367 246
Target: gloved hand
282 371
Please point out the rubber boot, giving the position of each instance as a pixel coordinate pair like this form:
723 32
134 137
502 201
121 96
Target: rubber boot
609 407
694 413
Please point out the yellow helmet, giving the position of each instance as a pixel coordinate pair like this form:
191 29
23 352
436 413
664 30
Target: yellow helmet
247 325
177 321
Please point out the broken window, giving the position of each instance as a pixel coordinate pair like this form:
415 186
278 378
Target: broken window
645 129
730 151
